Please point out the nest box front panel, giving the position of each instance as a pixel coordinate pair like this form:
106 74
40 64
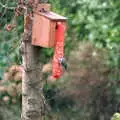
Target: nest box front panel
42 34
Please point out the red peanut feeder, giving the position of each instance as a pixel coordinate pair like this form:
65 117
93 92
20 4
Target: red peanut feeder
58 50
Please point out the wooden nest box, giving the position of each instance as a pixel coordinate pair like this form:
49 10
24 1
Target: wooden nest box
44 26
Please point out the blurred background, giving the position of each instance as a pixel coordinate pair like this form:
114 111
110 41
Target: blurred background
90 88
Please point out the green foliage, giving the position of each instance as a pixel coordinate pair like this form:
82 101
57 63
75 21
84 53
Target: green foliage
12 112
116 116
9 47
94 20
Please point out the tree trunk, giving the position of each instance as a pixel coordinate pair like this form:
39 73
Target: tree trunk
32 96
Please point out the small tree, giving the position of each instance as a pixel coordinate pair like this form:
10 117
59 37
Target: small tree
32 97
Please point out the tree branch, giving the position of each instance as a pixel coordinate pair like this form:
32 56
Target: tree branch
5 6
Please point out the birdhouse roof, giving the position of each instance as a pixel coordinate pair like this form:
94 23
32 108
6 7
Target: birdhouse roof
53 16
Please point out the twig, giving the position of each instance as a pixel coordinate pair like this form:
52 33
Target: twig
5 6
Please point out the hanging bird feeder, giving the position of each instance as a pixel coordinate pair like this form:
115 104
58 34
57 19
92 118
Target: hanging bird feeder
48 31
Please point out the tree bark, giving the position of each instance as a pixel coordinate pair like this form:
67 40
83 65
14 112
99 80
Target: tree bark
32 96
